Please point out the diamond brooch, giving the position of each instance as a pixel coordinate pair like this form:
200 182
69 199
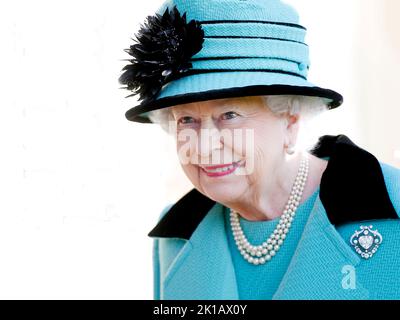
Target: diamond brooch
366 241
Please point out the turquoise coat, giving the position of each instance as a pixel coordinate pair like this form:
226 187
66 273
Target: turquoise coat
191 257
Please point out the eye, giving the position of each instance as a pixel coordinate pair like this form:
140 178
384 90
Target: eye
229 115
186 120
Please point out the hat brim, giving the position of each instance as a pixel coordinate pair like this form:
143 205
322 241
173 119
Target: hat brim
211 86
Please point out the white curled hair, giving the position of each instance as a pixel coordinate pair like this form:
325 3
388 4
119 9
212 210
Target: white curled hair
309 108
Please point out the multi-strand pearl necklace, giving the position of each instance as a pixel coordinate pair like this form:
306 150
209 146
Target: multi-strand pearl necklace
263 253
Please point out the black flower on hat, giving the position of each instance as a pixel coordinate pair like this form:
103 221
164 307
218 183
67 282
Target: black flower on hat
164 47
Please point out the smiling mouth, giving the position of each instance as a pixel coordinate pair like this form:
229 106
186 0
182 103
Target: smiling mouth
223 168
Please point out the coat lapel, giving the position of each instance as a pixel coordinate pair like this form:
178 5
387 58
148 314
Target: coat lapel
203 268
317 268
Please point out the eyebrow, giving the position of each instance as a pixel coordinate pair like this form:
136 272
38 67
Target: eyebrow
230 106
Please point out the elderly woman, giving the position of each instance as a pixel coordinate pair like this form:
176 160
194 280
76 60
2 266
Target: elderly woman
266 219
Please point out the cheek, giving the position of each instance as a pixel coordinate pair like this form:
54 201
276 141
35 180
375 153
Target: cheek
186 151
269 138
265 149
192 172
239 142
187 158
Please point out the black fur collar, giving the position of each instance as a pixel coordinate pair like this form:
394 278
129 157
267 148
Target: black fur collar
352 189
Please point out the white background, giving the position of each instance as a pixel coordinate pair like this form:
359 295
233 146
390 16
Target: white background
80 186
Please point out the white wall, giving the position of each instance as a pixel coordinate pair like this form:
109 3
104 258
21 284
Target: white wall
81 187
378 69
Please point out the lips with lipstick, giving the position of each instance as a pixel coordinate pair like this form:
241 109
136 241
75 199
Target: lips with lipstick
222 169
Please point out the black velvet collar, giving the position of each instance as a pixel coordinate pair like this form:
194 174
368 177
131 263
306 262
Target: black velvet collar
352 189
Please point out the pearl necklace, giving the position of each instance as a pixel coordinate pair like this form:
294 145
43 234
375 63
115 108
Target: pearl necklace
263 253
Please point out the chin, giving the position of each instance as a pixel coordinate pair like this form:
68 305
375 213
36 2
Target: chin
221 195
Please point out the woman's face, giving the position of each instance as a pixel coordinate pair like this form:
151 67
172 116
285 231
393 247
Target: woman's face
240 134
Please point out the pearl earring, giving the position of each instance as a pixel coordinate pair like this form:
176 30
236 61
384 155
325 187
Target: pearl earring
290 149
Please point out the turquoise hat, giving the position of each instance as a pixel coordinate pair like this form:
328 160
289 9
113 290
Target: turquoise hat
197 50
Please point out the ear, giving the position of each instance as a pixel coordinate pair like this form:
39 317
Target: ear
291 128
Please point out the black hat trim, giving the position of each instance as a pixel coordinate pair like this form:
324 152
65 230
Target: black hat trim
133 114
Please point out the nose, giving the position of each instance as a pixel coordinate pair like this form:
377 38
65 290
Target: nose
209 141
